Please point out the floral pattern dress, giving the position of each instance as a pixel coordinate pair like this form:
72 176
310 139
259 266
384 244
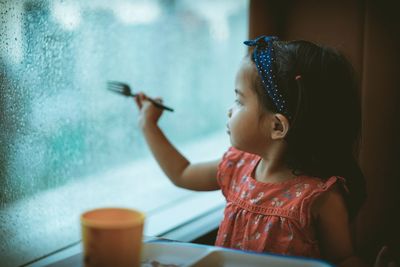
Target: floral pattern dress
267 217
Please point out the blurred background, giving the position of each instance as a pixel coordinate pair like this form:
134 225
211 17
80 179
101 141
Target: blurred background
67 144
58 121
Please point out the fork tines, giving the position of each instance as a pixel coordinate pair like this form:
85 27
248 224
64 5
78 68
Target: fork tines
119 87
124 89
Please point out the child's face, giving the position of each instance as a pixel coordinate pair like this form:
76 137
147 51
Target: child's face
246 127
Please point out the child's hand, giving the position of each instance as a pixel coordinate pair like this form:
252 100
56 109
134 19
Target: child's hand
383 259
148 113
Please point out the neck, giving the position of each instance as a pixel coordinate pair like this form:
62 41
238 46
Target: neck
272 173
272 168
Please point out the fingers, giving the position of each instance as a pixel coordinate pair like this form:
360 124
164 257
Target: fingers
143 100
138 101
383 259
140 98
383 252
158 99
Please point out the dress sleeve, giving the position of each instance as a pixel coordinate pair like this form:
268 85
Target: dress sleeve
226 168
320 188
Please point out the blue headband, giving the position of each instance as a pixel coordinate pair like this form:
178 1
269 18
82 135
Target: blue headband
263 56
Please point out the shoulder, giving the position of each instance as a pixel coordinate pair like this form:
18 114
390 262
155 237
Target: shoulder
233 152
330 199
234 157
235 163
316 194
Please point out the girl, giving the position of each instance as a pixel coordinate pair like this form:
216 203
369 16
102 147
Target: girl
290 179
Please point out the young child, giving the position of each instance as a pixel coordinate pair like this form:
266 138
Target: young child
290 180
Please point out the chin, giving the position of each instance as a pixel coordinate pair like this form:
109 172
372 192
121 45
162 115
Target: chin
244 148
238 147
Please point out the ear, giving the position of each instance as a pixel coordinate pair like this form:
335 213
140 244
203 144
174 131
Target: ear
280 126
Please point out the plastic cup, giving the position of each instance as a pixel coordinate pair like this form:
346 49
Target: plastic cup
112 237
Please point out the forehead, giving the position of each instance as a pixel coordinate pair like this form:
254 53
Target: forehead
246 73
248 81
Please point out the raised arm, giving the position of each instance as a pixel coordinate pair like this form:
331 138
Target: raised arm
200 177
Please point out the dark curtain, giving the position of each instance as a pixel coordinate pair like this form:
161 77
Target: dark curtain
368 33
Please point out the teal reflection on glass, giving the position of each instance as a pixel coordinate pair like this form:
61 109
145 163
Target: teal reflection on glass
61 130
58 121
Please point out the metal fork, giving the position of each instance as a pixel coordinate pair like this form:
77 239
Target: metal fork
124 89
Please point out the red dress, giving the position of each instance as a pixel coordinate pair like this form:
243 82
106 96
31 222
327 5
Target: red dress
267 217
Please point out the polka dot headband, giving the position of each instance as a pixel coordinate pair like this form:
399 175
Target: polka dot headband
263 56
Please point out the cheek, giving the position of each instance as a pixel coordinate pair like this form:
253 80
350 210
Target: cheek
239 128
245 133
234 120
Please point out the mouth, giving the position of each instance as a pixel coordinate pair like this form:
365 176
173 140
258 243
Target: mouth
228 131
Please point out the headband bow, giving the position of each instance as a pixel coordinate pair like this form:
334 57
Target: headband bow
263 56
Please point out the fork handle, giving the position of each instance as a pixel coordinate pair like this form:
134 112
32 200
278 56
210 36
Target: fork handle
159 105
155 103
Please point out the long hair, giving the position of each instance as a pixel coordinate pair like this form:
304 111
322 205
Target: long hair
325 128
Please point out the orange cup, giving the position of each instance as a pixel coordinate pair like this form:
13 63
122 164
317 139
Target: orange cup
112 237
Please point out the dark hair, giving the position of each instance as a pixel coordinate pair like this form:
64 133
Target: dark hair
324 132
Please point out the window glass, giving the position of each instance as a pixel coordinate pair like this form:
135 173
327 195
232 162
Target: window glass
67 144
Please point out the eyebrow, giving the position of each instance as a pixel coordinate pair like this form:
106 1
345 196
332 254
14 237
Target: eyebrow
237 91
